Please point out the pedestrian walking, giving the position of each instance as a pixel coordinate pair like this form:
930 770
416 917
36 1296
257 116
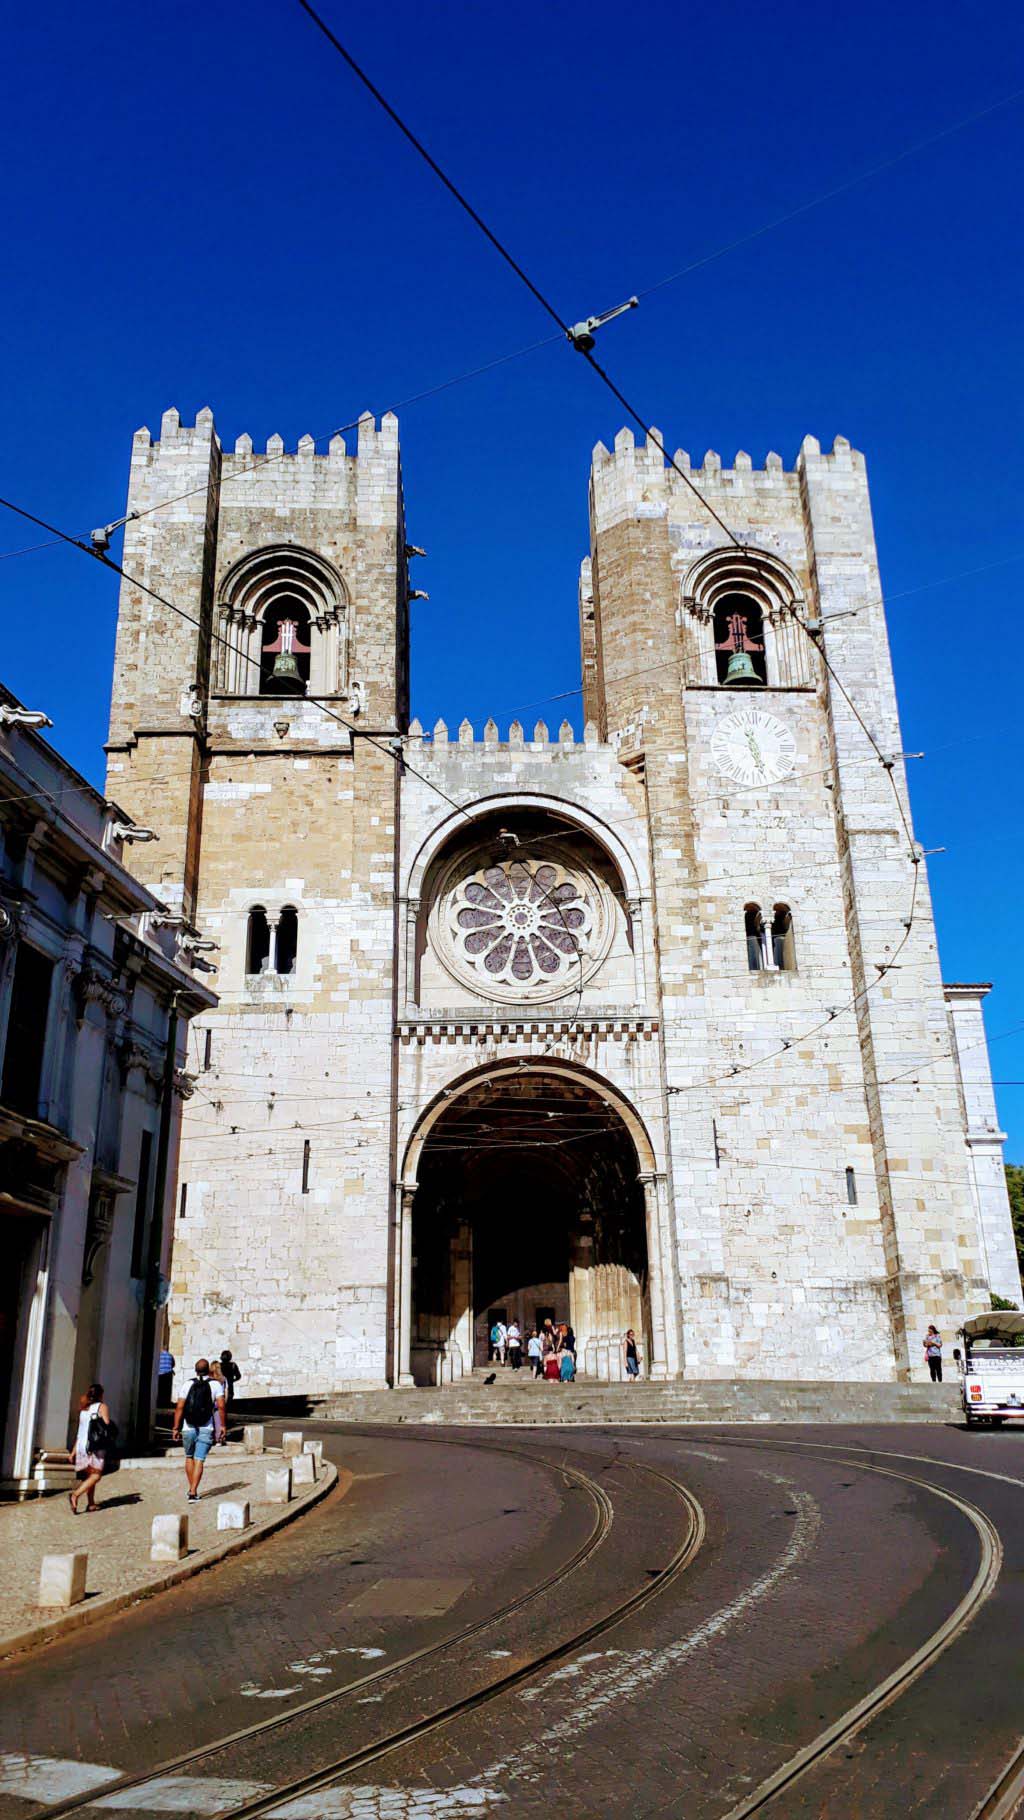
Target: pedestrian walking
933 1353
569 1341
552 1369
515 1344
535 1353
164 1379
566 1365
230 1373
93 1442
194 1426
630 1356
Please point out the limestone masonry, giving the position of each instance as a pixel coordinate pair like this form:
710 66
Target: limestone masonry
642 1030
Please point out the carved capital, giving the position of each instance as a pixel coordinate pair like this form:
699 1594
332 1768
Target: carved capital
184 1084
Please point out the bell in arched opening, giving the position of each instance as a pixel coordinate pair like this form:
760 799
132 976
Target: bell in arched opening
739 644
289 671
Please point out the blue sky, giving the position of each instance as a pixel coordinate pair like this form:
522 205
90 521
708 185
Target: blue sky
203 208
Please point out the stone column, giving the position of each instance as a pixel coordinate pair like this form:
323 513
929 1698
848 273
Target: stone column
403 1300
462 1338
635 908
658 1362
273 922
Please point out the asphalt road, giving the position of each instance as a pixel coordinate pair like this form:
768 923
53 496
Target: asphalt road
774 1578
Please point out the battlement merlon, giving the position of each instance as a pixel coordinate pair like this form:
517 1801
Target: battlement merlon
437 740
367 480
635 480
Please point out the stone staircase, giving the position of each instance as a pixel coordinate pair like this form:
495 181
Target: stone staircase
520 1400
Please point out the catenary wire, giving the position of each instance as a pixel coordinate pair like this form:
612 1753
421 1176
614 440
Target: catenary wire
632 412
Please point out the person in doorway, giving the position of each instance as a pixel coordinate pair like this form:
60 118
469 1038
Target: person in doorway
933 1353
502 1342
494 1346
230 1373
514 1343
631 1356
164 1379
535 1353
194 1426
89 1454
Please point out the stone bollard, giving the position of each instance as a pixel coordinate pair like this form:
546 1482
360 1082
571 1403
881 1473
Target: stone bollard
304 1469
233 1516
62 1579
316 1448
279 1485
169 1538
291 1443
252 1438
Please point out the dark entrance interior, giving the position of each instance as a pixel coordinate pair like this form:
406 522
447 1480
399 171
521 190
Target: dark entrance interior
528 1201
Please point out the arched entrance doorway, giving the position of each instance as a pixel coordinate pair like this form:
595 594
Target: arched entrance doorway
530 1200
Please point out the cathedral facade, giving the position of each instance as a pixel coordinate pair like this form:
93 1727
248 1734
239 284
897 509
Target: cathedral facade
640 1029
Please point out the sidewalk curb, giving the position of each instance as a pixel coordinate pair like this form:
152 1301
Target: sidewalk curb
104 1605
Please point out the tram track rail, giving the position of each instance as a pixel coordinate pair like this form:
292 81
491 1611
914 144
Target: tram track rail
846 1727
416 1659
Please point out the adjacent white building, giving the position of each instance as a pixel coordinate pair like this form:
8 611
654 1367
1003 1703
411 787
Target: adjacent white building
95 1002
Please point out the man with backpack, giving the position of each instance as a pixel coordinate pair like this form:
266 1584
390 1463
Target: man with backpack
194 1426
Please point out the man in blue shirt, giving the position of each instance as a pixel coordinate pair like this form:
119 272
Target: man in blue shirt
164 1379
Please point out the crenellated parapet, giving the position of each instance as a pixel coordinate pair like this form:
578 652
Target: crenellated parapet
636 478
439 739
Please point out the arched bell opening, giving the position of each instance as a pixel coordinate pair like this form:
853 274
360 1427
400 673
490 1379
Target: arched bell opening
529 1204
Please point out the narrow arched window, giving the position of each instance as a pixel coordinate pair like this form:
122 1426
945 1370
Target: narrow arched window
739 643
783 944
257 946
851 1187
757 947
284 657
287 939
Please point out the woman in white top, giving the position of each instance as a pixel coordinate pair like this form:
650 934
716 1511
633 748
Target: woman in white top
89 1467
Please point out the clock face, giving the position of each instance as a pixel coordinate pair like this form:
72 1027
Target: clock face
753 747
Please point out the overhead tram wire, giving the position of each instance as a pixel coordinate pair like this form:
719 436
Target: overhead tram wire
586 350
394 751
264 461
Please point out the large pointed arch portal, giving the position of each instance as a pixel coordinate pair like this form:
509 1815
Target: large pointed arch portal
529 1190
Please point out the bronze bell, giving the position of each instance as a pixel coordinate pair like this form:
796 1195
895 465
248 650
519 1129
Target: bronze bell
284 679
740 673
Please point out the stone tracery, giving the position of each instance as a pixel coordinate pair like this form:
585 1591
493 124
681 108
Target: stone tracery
521 922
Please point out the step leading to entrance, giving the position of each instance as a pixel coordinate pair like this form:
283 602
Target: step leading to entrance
522 1401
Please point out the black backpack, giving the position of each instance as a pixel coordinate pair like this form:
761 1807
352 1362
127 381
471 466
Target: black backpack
101 1438
199 1404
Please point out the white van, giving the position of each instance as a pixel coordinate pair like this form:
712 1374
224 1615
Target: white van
991 1369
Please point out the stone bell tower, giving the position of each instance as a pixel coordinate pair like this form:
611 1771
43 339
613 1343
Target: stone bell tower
819 1188
252 730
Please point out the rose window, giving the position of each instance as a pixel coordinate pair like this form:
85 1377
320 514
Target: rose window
521 923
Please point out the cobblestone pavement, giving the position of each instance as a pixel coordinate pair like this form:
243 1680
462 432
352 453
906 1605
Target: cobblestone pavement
117 1537
817 1577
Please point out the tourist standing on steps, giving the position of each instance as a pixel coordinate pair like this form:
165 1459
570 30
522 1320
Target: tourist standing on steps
630 1356
933 1353
494 1346
514 1341
230 1373
194 1426
89 1454
535 1351
220 1403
